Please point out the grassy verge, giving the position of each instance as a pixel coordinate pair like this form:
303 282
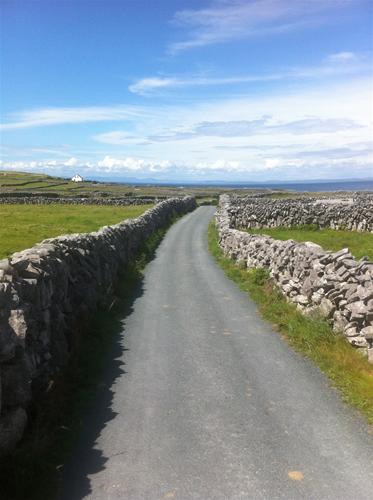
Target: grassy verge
33 470
207 201
349 371
22 226
360 244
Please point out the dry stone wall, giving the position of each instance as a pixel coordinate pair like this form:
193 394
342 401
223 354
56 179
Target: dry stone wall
333 284
45 292
352 213
48 200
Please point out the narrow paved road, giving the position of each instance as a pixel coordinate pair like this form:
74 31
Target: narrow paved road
203 400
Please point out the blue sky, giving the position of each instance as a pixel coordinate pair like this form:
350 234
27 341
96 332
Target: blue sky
188 90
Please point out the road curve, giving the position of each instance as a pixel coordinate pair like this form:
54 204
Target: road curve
203 400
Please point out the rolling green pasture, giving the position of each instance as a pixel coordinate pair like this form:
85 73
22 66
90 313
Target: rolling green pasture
360 244
21 226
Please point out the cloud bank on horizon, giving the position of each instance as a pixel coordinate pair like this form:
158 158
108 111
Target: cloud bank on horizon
188 90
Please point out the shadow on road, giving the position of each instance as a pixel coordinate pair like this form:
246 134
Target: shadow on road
86 460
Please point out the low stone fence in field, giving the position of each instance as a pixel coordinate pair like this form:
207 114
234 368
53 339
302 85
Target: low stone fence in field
333 284
46 292
351 213
49 200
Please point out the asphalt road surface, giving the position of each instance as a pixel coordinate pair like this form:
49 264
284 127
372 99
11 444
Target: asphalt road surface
203 400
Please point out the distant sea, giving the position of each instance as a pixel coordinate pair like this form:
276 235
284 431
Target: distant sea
356 185
314 185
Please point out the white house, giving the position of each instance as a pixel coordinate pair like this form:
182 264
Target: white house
77 178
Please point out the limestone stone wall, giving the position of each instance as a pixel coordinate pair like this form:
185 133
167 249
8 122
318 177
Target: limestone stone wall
352 213
331 283
45 292
49 200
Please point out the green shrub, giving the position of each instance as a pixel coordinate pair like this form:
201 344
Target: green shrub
259 275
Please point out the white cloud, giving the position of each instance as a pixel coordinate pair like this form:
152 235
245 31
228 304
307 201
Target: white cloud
145 85
342 57
341 153
71 162
342 63
32 166
223 165
227 20
275 167
235 128
58 116
285 133
314 125
110 164
120 137
281 134
271 163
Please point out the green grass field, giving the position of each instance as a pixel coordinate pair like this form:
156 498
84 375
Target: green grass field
21 226
360 244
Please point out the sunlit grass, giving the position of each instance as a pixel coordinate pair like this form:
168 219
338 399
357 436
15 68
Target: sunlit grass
360 244
22 226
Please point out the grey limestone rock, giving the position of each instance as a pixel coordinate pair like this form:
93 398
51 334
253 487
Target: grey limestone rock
326 307
334 282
